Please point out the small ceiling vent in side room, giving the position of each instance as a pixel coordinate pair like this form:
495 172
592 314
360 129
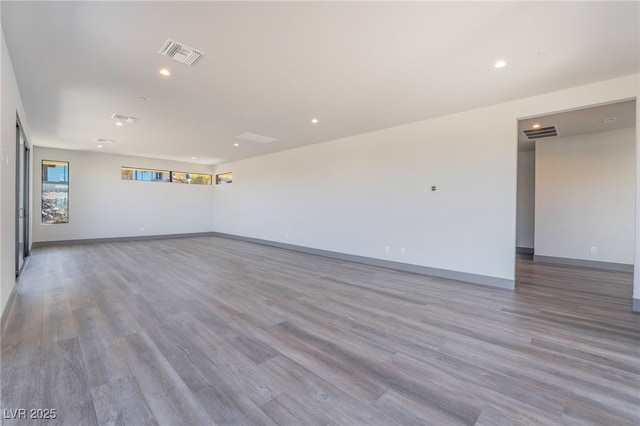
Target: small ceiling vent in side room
543 132
180 52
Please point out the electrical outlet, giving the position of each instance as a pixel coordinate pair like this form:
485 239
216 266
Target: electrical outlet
387 249
403 251
594 249
142 229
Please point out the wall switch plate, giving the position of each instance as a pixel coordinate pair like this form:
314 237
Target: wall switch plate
387 249
594 249
403 251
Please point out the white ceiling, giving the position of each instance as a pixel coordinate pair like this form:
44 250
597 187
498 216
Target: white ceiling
269 68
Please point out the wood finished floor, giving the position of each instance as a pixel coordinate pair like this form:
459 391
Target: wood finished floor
208 330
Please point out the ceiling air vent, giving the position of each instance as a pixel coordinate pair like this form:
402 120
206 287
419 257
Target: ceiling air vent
124 118
543 132
253 137
180 52
102 140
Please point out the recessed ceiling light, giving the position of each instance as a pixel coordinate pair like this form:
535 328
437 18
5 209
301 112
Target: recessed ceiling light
99 146
236 144
609 120
118 123
165 72
314 121
193 158
500 64
536 126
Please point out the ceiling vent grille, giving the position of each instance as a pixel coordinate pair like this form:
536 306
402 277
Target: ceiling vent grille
180 52
253 137
102 140
126 118
543 132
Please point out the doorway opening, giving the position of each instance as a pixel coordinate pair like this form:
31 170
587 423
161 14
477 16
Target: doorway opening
576 196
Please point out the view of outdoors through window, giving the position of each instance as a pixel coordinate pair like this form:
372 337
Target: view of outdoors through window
130 173
192 178
223 178
150 175
55 192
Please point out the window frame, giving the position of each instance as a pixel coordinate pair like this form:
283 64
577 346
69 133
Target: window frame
170 173
67 183
220 181
143 169
191 173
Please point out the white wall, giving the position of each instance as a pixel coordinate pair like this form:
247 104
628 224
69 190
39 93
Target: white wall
10 105
102 205
359 194
363 193
585 196
526 199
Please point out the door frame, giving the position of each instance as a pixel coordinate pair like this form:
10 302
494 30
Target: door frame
22 168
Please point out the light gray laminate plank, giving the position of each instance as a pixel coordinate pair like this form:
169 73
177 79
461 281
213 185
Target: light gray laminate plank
490 416
170 400
466 383
559 377
103 358
22 350
587 411
249 347
304 388
20 376
406 411
81 291
63 384
286 411
57 321
118 318
332 370
120 403
569 351
218 388
235 367
26 323
225 396
381 376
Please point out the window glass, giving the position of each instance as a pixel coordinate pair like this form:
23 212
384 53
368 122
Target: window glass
192 178
148 175
55 192
224 178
